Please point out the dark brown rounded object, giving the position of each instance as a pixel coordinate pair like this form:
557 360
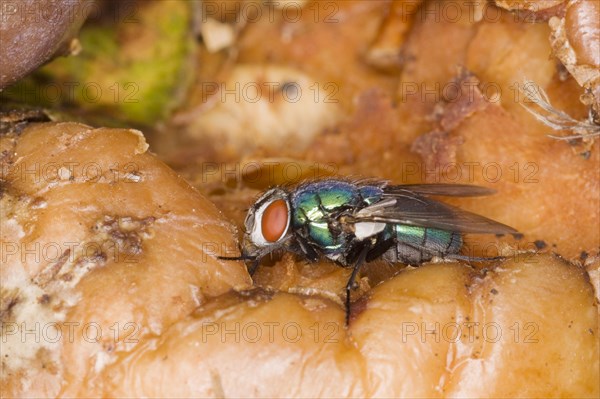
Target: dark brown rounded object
34 31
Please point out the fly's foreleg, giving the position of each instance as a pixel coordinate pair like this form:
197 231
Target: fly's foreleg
352 280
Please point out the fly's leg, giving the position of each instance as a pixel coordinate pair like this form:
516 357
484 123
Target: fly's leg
306 249
473 258
407 254
350 285
253 267
380 248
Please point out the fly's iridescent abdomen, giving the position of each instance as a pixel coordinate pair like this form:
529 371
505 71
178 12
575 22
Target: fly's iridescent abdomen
412 240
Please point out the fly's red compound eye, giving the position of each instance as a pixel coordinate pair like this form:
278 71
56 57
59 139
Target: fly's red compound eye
274 220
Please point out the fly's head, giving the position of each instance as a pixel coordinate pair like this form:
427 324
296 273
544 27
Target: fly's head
267 225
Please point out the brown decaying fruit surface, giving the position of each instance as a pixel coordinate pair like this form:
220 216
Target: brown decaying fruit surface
527 326
114 232
186 327
533 11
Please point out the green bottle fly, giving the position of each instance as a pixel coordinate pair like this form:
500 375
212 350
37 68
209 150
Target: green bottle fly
353 222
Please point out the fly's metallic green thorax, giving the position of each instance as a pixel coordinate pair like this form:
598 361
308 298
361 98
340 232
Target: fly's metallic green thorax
318 206
353 222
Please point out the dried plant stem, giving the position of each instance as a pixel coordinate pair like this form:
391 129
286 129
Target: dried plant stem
555 118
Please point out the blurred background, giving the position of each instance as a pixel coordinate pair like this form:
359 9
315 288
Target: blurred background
238 96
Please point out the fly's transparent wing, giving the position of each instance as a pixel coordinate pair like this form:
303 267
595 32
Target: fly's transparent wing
402 206
448 190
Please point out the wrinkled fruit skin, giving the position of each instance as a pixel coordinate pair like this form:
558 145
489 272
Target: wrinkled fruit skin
114 236
190 325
